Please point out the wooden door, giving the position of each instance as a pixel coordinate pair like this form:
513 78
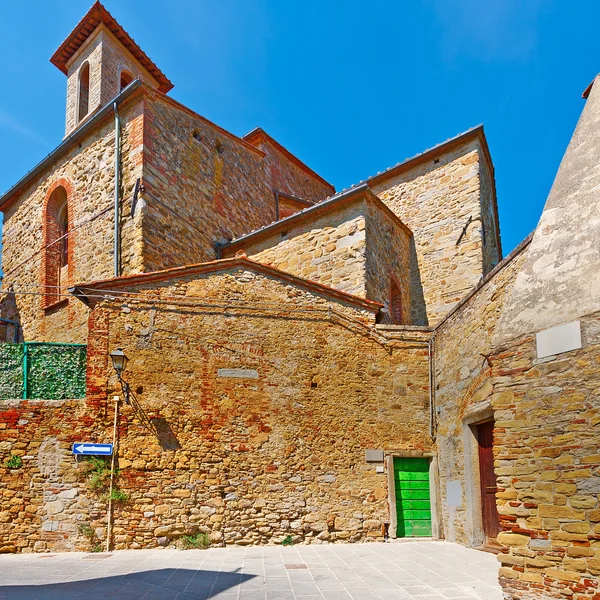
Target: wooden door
487 476
413 506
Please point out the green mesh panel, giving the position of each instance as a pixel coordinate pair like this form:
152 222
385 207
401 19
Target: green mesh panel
53 372
11 370
56 372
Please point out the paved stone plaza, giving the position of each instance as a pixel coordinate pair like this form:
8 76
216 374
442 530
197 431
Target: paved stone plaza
395 571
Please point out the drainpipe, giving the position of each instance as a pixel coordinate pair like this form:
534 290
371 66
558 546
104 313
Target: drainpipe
117 185
431 385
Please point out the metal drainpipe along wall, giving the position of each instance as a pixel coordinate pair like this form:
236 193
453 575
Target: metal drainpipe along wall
117 233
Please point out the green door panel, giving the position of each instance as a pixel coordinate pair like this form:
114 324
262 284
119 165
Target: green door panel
413 506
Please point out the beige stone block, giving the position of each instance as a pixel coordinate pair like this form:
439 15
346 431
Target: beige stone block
508 573
594 515
579 551
593 565
578 527
513 539
181 493
510 559
563 536
583 502
559 512
563 575
550 524
566 488
574 564
532 577
538 563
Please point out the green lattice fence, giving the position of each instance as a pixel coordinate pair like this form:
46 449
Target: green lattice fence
11 371
47 371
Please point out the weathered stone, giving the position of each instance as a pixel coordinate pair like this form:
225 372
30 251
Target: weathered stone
55 507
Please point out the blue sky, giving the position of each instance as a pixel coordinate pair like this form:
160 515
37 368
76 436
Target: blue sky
350 87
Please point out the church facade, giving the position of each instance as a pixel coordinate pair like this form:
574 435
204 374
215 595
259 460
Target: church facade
304 364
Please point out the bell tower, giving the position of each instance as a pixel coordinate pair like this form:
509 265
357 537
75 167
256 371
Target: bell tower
99 59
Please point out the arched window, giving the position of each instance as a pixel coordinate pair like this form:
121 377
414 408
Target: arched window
56 245
396 303
63 230
126 79
84 91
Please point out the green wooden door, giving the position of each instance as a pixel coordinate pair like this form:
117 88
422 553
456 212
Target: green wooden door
413 507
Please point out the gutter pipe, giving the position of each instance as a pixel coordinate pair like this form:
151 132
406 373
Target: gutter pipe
117 233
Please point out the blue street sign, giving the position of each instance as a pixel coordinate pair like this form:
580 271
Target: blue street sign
87 448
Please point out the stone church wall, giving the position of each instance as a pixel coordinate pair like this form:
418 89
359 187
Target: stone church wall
463 384
329 248
287 175
250 439
356 247
203 186
87 172
435 200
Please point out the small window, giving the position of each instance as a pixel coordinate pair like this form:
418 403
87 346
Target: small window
84 91
126 79
396 303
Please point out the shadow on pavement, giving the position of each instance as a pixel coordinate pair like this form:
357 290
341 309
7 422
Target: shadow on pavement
166 584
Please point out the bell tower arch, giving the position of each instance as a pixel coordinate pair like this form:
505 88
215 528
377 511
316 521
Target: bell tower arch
98 58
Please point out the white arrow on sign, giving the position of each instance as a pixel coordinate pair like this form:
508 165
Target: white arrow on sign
92 449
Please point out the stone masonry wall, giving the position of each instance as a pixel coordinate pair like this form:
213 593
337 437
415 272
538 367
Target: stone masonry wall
388 249
548 465
435 199
250 438
288 176
329 249
462 391
88 172
202 185
492 251
357 248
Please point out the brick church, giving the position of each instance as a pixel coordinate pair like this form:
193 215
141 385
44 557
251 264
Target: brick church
304 363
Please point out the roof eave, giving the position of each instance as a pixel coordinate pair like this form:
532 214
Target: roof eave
116 283
282 223
87 25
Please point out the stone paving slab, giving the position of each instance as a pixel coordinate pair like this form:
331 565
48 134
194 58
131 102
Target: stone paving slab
393 571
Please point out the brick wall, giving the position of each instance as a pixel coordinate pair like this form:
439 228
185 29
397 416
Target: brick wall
548 466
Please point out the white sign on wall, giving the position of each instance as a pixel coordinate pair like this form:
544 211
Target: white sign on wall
238 373
562 338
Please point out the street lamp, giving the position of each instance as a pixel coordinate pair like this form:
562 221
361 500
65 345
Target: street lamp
119 361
